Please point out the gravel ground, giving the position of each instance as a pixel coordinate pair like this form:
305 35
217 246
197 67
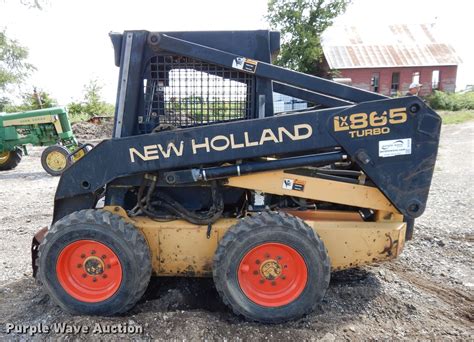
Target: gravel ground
427 294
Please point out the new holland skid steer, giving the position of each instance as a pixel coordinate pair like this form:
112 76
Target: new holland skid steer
202 178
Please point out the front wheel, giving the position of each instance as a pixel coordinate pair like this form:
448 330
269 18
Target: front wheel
10 159
271 268
54 159
93 262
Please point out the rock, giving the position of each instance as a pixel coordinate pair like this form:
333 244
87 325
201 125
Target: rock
328 338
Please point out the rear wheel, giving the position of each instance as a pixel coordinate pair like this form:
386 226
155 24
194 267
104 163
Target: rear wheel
54 159
271 268
93 262
10 159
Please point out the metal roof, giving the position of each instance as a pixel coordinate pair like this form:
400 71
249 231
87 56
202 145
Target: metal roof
385 46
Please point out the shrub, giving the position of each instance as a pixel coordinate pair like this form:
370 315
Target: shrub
92 103
451 101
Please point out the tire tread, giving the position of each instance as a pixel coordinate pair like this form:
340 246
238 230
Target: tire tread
129 233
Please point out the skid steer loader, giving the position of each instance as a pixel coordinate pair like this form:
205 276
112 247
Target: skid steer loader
202 178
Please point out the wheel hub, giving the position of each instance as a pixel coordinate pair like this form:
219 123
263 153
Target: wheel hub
56 161
94 266
4 157
270 269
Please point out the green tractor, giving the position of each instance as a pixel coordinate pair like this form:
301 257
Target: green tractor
44 127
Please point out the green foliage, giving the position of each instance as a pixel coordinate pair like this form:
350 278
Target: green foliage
92 103
36 99
456 117
4 103
451 101
78 117
301 23
13 65
206 111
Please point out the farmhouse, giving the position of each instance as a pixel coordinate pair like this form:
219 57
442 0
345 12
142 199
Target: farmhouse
387 59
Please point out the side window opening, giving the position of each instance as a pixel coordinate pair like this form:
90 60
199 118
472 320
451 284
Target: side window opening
435 80
395 83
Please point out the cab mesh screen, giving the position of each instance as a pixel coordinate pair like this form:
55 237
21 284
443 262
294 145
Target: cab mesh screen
182 92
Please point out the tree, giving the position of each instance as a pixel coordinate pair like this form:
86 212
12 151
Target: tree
301 24
13 65
36 99
92 103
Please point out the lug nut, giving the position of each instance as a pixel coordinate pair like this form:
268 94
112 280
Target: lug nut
257 262
274 283
267 255
94 279
93 252
83 255
109 266
255 272
262 281
104 256
104 276
79 265
283 277
278 257
84 275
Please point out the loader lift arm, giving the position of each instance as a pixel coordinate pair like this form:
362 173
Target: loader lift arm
357 122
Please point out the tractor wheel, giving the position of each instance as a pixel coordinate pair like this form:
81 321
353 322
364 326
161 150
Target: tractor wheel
93 262
9 160
271 268
54 159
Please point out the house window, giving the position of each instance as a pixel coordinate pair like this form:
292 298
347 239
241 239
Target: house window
415 78
375 81
395 82
435 80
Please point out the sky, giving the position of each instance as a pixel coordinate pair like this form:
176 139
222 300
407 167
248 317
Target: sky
69 45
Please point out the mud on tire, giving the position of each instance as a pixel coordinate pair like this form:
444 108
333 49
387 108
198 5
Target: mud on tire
103 228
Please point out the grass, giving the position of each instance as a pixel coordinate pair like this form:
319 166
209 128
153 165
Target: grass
78 117
457 117
73 118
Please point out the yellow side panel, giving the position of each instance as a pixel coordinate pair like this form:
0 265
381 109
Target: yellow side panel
316 189
175 247
182 248
352 244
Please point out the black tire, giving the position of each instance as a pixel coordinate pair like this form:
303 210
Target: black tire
10 160
111 230
59 164
271 227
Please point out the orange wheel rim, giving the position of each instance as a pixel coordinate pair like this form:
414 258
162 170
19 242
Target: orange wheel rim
89 271
272 274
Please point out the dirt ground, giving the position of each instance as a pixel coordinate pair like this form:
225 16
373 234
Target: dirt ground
427 294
